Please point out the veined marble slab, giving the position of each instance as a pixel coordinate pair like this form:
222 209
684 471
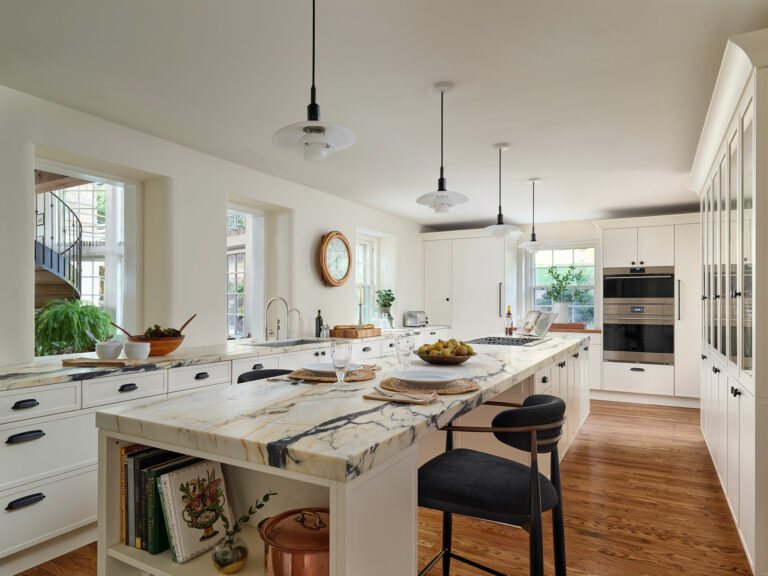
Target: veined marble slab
320 430
48 370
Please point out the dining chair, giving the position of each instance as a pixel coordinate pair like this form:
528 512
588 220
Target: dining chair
261 374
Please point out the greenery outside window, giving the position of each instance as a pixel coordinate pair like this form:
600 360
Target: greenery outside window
581 305
366 265
236 294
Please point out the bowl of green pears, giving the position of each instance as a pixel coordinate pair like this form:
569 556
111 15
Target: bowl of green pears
446 352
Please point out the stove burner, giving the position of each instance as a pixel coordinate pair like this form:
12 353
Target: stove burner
500 341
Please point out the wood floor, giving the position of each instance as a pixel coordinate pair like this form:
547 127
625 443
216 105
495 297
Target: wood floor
641 498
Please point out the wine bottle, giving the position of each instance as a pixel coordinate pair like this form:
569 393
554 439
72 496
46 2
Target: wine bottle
508 323
318 324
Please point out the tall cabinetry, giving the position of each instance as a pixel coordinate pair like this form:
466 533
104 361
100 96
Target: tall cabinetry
465 282
730 182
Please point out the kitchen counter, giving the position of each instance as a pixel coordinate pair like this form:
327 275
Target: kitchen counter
318 430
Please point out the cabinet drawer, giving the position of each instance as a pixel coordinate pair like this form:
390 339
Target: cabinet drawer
197 376
220 386
39 401
388 347
366 351
639 378
294 360
122 388
542 381
54 506
44 447
249 364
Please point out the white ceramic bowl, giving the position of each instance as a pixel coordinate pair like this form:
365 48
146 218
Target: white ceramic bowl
109 350
137 350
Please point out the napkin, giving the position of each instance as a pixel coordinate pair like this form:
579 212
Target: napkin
387 396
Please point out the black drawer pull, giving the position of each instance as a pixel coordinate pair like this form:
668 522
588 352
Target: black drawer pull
732 389
736 392
24 404
715 369
703 356
544 379
432 333
586 348
367 349
576 355
317 353
637 369
322 353
128 387
25 436
391 344
25 501
257 367
202 375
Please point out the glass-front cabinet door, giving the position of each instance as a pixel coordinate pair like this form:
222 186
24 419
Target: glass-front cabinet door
703 262
747 235
733 249
708 292
715 258
722 174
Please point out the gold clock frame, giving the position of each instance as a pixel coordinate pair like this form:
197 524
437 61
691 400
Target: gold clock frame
328 279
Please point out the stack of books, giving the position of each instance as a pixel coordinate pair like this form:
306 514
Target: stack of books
170 500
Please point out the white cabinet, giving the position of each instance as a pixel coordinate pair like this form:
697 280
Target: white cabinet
687 310
199 376
639 378
747 458
293 360
240 367
732 456
101 391
639 246
39 401
438 275
619 247
366 352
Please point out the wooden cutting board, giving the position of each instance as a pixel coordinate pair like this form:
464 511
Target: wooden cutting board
355 332
99 363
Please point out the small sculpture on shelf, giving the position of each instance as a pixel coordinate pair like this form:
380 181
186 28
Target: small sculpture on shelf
384 299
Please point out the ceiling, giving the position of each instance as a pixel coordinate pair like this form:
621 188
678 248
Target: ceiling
603 100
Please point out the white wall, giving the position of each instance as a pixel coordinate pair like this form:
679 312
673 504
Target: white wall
184 233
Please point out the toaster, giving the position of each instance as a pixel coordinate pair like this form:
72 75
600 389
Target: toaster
415 318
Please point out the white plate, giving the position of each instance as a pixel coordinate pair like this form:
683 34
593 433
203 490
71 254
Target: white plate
327 368
426 377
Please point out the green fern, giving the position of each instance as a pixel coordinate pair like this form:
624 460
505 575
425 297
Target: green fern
60 327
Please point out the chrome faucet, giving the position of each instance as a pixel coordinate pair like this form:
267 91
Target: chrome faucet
289 319
266 315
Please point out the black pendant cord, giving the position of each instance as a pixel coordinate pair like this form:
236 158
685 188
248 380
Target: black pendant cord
313 110
500 217
441 181
533 218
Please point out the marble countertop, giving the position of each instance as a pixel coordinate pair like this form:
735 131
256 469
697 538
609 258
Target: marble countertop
319 430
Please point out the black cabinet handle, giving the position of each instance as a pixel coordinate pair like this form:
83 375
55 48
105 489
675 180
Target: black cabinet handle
586 348
367 349
322 353
257 367
736 392
25 501
202 375
715 369
317 353
715 296
633 262
732 389
391 344
703 356
24 404
562 364
544 379
576 355
432 333
128 387
642 262
447 299
636 369
25 436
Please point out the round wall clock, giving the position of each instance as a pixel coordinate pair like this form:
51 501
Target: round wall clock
335 259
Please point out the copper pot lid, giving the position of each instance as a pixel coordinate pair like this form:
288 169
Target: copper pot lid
300 530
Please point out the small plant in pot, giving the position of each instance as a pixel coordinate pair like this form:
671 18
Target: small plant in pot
384 299
560 293
62 326
231 552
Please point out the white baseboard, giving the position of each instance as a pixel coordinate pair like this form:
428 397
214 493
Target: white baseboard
48 550
644 399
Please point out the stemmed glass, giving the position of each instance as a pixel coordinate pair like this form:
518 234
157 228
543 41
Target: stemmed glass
404 351
341 354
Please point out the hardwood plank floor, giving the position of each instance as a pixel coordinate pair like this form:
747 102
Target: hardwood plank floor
641 498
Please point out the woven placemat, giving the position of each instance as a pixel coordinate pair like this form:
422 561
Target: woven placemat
456 387
351 376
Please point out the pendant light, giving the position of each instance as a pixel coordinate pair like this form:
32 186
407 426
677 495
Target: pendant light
532 245
442 199
313 139
500 229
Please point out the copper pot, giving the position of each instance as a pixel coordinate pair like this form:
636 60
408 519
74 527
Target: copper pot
297 543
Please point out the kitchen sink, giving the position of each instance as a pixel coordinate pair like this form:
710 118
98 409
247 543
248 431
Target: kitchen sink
282 343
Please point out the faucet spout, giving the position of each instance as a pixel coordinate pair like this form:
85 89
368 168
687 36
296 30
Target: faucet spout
266 315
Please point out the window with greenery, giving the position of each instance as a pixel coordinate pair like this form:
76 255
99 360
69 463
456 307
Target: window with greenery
235 223
236 294
92 282
581 297
365 268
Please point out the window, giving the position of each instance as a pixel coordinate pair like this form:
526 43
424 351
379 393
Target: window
236 294
92 282
366 250
245 274
581 294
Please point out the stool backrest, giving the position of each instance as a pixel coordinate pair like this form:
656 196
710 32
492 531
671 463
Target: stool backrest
537 410
261 374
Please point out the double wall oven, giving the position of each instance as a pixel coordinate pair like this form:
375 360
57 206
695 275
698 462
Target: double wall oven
639 315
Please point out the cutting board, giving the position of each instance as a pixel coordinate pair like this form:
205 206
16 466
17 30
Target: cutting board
99 363
355 332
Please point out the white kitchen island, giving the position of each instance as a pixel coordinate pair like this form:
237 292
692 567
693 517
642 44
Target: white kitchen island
317 446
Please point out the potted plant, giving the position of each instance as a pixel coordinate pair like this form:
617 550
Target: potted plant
231 552
61 325
559 291
384 299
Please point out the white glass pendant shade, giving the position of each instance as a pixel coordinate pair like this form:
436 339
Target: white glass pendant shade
502 229
441 200
313 139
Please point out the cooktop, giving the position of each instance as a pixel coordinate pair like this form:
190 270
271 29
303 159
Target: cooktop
501 341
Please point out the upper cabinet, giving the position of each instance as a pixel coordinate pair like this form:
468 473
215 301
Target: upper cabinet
438 276
639 246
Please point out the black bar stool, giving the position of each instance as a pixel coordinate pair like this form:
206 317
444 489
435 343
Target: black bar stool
261 374
481 485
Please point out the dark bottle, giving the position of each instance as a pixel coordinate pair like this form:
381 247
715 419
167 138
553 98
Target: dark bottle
318 324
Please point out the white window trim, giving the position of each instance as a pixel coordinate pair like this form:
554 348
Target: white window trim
373 242
529 264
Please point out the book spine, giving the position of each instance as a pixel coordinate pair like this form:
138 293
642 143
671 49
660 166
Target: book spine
152 523
166 497
144 525
123 527
137 506
131 501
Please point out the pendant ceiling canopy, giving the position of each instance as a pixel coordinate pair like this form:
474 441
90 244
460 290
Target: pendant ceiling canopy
442 199
501 229
532 245
313 139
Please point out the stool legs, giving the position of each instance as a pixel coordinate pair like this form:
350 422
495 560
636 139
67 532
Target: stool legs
447 536
536 545
558 526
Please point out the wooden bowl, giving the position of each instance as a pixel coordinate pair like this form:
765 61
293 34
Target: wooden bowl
445 360
160 346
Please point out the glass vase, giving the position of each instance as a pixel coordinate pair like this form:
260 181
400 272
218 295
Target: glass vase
229 556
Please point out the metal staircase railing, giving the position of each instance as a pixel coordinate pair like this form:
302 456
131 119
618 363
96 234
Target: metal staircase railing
58 239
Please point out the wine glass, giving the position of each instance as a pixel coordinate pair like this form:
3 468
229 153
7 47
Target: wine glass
341 354
404 351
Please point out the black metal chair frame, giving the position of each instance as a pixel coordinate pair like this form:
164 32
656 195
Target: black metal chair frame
534 525
262 373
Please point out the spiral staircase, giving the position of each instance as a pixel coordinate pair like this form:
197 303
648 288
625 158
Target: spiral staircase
58 240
